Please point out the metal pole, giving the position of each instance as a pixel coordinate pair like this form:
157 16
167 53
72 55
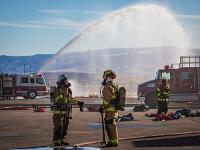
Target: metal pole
153 71
30 68
24 68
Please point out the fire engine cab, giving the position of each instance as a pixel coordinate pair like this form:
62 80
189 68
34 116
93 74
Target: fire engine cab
24 85
184 82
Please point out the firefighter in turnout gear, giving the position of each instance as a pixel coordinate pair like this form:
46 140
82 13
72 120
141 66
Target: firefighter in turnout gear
109 94
62 108
162 93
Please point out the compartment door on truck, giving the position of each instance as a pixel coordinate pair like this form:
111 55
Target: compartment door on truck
7 89
188 81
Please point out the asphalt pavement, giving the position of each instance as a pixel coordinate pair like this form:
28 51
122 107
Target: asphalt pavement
24 128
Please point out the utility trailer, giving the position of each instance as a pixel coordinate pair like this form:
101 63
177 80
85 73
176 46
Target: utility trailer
184 82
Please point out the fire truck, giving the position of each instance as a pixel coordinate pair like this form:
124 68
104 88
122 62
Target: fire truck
184 82
25 85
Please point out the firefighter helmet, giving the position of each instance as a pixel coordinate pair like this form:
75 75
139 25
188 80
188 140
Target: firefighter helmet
109 73
62 78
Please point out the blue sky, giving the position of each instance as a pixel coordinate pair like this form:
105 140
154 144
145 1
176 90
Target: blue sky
29 27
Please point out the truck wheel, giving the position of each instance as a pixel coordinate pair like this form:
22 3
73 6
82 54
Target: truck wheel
32 94
151 100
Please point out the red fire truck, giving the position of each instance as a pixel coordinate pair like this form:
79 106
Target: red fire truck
184 82
24 85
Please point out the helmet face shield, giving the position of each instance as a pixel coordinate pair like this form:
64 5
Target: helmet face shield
112 76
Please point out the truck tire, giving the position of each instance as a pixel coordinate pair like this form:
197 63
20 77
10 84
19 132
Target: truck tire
151 100
32 94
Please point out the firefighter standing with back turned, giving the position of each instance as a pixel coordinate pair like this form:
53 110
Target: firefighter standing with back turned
163 95
61 107
109 97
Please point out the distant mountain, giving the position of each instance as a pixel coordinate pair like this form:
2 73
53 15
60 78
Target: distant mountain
132 61
129 61
15 64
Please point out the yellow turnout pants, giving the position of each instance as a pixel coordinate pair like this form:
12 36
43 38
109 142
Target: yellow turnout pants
111 126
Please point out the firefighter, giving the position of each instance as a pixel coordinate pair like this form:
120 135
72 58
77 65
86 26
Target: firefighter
109 94
61 107
162 93
35 107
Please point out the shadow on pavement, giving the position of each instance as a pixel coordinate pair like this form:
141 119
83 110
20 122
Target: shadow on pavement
169 142
58 148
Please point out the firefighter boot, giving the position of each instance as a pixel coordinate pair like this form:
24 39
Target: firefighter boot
57 143
111 144
63 143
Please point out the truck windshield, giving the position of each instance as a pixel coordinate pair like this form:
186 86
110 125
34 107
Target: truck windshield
166 75
163 75
39 81
158 74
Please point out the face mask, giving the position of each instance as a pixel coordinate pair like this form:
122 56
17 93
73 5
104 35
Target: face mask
109 80
67 84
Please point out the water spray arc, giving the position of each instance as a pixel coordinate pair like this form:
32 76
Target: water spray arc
132 41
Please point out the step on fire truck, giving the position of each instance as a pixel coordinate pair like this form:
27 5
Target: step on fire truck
184 82
24 85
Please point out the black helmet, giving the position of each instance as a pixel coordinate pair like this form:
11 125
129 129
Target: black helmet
62 78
